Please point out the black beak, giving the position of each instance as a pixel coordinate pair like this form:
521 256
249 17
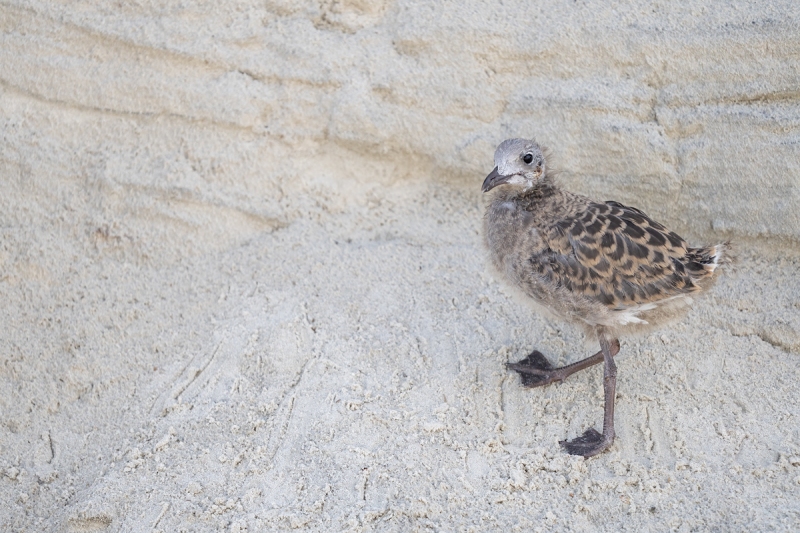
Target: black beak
493 180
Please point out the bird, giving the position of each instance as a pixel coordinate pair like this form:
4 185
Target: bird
604 266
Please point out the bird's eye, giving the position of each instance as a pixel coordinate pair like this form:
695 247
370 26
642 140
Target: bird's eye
527 158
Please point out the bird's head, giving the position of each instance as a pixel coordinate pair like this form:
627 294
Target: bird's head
518 163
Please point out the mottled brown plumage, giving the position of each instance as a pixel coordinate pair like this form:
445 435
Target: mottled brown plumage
603 265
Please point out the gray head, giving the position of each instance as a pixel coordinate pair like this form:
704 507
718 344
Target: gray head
518 162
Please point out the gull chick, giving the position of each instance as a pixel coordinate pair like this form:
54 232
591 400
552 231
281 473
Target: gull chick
602 265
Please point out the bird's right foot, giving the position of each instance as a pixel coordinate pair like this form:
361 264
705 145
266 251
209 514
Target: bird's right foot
535 370
589 444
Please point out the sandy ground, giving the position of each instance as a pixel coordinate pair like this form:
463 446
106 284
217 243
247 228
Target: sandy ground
345 372
244 289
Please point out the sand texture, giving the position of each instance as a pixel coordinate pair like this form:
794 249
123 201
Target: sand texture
244 286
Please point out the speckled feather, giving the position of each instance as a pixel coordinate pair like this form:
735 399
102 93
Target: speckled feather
600 262
618 255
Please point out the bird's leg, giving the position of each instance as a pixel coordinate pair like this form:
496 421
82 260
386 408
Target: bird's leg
536 371
591 442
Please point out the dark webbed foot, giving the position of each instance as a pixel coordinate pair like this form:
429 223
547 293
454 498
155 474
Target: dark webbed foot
535 370
590 443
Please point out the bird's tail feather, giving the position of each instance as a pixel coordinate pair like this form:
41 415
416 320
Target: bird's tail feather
704 261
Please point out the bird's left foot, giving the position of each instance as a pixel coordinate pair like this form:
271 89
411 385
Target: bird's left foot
535 370
592 442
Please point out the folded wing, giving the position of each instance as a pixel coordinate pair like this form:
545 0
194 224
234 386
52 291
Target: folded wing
620 257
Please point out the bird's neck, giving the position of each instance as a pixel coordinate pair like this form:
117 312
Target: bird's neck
543 189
